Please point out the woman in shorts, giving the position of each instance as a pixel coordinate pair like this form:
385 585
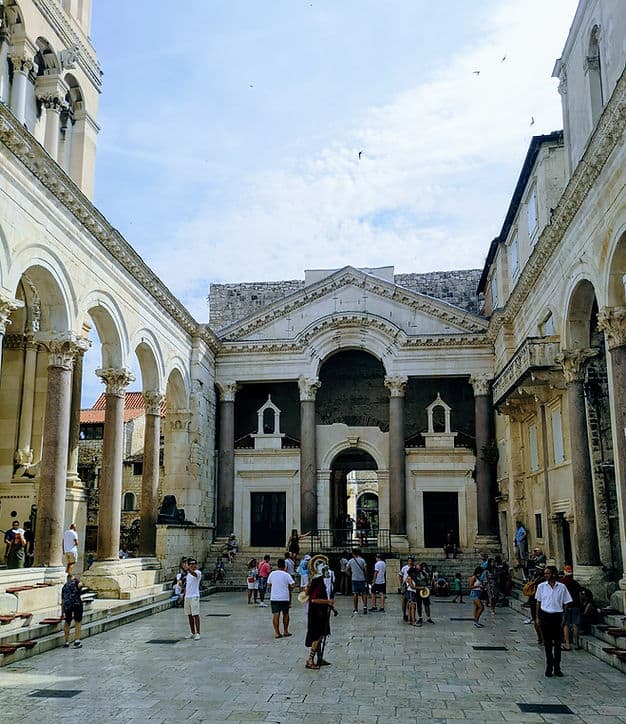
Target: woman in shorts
252 580
476 592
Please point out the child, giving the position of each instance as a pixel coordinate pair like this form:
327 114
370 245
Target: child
252 580
457 589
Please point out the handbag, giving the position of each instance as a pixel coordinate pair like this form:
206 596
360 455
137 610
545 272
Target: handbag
251 579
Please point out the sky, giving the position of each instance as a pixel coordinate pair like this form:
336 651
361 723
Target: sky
249 140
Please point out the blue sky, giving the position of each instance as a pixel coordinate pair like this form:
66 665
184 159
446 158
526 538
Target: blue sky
231 131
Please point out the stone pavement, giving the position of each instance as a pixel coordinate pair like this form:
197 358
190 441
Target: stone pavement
382 671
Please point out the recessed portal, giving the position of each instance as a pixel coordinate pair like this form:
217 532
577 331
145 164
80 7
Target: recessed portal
267 522
354 497
441 515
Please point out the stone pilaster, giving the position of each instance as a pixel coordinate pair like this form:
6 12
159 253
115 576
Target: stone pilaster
51 91
397 458
24 453
77 384
308 453
586 536
612 321
110 510
7 306
226 459
62 350
486 481
22 68
150 476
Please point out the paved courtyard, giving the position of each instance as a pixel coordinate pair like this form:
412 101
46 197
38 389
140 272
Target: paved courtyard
382 671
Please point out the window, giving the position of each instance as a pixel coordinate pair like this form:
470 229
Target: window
514 256
531 212
138 468
546 328
91 432
534 450
494 292
538 526
557 437
594 73
129 501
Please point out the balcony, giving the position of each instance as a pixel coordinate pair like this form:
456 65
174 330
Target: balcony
535 354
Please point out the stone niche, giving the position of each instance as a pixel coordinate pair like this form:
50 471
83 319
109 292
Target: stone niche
439 435
268 435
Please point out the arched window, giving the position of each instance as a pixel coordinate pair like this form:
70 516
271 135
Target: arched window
70 153
129 501
593 68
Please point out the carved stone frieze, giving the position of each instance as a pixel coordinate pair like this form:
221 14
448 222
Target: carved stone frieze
396 385
612 321
308 387
574 363
116 380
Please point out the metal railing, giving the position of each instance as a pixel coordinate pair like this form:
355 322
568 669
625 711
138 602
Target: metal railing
336 540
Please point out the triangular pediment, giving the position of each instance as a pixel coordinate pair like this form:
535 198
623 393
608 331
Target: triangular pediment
351 294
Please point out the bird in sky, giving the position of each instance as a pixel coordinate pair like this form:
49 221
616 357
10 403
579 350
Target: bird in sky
503 58
360 154
476 72
532 120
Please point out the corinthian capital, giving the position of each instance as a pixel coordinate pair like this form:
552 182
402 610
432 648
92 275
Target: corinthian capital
7 306
25 65
227 390
612 321
573 363
396 385
481 384
152 401
62 348
308 387
116 380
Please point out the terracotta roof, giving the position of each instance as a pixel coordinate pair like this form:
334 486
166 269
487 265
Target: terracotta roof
133 408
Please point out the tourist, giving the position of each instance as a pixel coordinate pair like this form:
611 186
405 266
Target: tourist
411 594
29 544
571 618
329 581
192 598
15 546
264 571
252 581
344 575
358 573
457 588
450 547
423 581
442 589
488 580
281 584
318 615
290 566
72 608
362 528
293 544
410 562
551 597
231 548
379 583
476 592
521 547
588 610
218 570
303 572
70 547
502 579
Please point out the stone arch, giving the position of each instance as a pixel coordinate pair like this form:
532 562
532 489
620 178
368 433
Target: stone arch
39 287
111 328
150 360
178 387
580 308
615 285
46 58
333 452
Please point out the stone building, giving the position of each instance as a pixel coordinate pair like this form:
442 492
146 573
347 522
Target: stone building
467 400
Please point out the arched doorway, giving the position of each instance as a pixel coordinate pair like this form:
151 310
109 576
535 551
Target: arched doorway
353 490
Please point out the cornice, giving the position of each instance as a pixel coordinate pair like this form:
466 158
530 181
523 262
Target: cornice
350 276
37 161
62 25
607 136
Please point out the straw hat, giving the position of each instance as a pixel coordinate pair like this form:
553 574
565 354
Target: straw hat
424 592
303 597
316 564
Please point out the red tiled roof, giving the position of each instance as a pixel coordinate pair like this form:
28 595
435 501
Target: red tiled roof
133 408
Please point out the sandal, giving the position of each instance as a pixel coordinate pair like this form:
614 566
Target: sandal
287 634
278 636
310 664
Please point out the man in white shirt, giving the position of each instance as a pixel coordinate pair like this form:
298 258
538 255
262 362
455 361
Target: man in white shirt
70 547
192 598
410 562
551 597
281 585
379 583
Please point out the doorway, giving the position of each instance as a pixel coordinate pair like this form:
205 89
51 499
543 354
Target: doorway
441 515
353 477
267 520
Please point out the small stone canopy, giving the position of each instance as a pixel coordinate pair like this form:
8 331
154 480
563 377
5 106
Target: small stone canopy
269 405
442 438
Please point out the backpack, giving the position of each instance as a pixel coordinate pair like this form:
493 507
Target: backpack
529 589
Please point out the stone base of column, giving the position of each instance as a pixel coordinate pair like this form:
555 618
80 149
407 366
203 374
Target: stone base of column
129 578
594 578
618 600
487 543
400 543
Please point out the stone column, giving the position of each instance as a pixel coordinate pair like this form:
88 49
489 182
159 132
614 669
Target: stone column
397 455
77 384
308 453
486 509
586 538
226 459
24 454
110 508
51 500
612 321
51 91
21 70
150 476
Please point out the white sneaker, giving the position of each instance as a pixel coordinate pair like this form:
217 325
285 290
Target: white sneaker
528 620
189 636
263 605
196 637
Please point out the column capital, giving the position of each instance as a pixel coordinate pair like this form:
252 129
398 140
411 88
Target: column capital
481 384
62 348
152 400
227 390
396 385
22 64
308 387
612 321
116 380
573 363
7 306
51 91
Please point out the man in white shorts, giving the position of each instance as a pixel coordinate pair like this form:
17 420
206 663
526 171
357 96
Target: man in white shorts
70 547
192 598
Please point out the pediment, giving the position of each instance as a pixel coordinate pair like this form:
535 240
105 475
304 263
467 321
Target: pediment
351 296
